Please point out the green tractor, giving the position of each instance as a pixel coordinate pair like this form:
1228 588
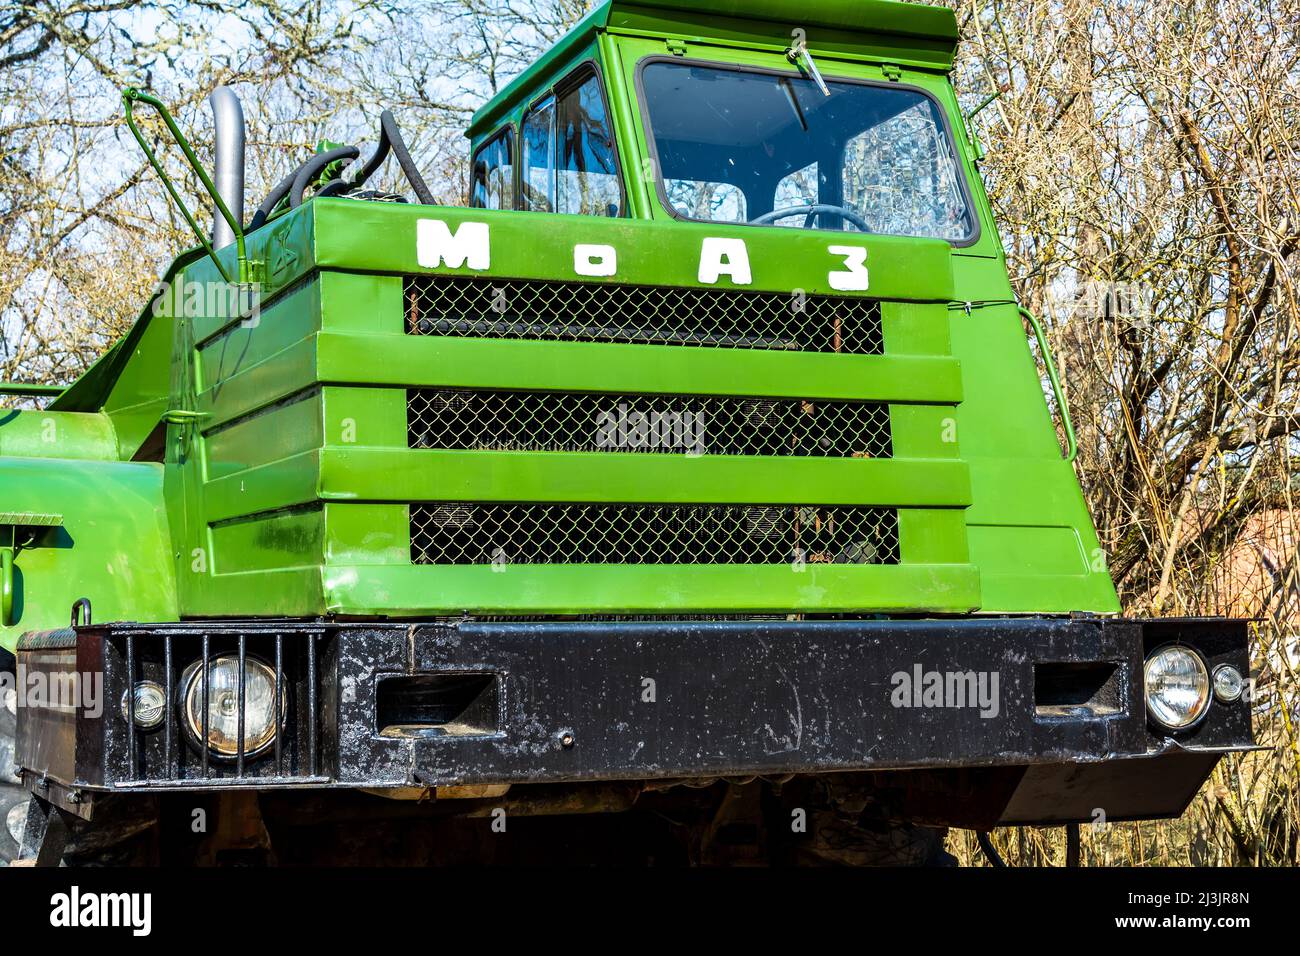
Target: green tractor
700 470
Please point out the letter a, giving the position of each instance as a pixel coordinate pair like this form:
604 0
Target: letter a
729 257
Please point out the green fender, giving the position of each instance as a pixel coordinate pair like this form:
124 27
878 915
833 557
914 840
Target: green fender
74 529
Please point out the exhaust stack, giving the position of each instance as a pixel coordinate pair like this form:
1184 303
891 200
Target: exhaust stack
228 118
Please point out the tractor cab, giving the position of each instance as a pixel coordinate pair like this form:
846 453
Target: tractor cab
657 112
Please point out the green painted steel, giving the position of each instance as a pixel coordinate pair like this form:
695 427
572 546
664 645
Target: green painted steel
347 235
111 545
49 434
31 389
384 474
217 463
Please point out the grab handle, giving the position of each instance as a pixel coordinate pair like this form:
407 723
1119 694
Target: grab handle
1071 442
130 97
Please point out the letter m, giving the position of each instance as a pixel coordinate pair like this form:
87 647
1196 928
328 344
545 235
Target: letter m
436 245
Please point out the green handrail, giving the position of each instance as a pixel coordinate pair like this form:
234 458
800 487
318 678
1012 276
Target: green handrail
31 389
1071 442
130 96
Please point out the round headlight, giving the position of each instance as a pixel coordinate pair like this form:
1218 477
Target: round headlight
1177 687
150 702
1228 683
223 705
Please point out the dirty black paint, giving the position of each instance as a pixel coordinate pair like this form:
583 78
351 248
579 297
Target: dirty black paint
571 701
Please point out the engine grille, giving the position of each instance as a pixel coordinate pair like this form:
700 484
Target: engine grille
664 424
590 312
509 533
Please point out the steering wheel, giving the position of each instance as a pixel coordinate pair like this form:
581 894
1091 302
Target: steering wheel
810 212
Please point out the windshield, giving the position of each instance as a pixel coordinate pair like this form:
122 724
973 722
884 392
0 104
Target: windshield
738 145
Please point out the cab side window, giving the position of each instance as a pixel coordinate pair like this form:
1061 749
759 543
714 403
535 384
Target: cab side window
570 163
493 182
538 185
587 179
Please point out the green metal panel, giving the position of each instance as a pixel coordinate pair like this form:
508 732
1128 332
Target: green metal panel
243 345
275 433
608 588
1029 528
51 434
282 539
284 483
272 379
380 474
867 16
383 237
112 545
598 367
367 534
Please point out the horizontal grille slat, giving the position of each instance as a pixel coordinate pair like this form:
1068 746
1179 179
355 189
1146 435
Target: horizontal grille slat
549 533
664 424
500 308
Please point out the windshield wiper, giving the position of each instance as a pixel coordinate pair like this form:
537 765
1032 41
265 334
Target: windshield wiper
788 88
799 51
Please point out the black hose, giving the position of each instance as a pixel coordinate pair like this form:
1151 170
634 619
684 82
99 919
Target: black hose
277 193
333 188
309 170
376 158
390 139
388 126
990 854
282 187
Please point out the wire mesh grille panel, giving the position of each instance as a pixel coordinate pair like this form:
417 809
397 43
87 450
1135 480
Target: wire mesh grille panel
665 424
587 312
510 533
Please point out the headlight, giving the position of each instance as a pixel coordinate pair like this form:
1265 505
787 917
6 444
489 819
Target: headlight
223 705
1177 687
150 703
1228 683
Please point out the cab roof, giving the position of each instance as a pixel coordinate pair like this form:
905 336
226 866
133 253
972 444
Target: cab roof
936 25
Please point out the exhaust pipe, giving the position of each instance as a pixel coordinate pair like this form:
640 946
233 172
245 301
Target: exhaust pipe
228 118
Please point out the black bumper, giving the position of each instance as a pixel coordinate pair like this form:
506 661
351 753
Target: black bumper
1045 716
